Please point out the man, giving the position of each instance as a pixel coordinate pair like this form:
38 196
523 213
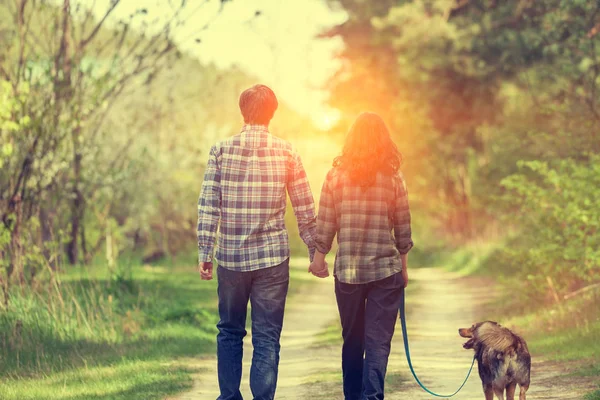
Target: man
244 190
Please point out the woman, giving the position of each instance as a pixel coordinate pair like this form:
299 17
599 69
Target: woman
364 201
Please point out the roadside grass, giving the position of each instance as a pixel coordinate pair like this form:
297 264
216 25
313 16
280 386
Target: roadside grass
593 396
91 333
569 331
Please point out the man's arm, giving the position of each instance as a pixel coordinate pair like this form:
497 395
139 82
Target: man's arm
302 203
209 211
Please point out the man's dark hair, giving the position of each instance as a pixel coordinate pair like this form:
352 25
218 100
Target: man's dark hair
258 105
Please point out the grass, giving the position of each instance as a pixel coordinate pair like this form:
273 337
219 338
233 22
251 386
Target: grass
329 336
566 332
91 334
593 396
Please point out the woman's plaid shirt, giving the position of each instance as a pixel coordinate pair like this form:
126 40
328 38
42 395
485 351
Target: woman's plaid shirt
372 226
244 190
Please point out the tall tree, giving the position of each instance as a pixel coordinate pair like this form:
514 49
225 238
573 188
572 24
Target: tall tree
68 68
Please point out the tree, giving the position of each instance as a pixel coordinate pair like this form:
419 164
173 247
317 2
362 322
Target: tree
452 71
76 67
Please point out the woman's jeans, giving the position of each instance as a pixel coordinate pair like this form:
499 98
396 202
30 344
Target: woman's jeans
368 313
266 289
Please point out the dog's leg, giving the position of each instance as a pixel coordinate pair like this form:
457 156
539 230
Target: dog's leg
510 391
499 392
488 391
522 392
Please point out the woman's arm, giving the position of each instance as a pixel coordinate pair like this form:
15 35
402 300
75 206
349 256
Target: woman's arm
402 229
404 258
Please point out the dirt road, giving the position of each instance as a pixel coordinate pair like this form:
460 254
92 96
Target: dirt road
442 303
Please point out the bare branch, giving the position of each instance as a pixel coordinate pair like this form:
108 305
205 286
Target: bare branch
21 28
4 74
113 5
88 15
460 4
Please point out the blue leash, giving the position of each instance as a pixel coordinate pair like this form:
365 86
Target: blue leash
405 336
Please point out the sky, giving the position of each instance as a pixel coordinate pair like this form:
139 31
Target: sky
278 46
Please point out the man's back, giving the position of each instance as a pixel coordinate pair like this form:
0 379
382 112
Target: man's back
246 180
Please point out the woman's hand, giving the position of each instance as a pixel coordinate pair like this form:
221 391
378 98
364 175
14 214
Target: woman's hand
319 269
319 266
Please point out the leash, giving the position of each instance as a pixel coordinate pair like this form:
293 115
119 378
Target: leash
407 351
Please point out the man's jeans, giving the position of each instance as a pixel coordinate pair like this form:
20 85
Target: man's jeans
368 313
267 290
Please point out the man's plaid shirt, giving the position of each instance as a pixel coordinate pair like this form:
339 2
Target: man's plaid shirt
244 190
372 226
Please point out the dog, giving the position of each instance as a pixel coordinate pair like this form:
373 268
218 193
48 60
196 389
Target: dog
503 359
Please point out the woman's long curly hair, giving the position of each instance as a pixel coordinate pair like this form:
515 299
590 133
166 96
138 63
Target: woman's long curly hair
369 149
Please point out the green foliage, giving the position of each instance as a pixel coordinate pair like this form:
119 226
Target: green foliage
494 105
556 204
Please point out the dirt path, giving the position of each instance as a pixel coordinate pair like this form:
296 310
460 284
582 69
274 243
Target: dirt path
443 303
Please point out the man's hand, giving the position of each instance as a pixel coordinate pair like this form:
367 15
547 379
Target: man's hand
206 271
319 269
405 276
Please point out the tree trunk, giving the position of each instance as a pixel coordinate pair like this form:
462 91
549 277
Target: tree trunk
82 234
46 236
16 251
77 207
64 94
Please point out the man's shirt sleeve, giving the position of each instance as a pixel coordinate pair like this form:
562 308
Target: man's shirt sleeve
209 207
402 230
326 221
302 203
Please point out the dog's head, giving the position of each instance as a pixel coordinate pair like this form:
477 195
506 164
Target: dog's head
474 333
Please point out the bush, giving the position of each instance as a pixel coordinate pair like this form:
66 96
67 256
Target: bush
556 206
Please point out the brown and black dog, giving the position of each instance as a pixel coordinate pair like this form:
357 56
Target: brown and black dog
502 358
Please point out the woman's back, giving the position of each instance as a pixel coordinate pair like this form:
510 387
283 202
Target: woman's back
365 220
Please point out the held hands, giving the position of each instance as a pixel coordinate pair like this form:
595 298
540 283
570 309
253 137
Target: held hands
319 269
206 271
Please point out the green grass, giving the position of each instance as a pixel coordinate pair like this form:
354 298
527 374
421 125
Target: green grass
331 335
569 332
134 379
97 335
566 332
593 396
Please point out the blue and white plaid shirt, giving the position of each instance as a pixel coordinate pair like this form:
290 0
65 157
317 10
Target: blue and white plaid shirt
244 190
372 226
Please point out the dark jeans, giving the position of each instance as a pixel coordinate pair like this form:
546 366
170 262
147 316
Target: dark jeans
266 289
368 313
